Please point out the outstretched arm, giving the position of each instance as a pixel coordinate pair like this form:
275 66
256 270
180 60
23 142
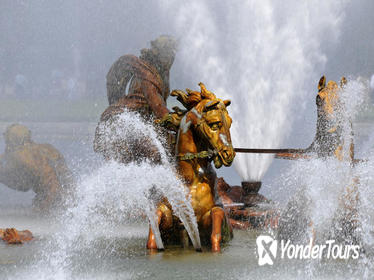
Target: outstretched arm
155 101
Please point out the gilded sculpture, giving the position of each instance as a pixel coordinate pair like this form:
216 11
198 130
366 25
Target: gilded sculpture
203 137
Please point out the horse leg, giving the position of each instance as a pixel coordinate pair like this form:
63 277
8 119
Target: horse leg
165 219
151 243
217 215
349 213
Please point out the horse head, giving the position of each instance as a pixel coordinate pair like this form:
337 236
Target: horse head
213 127
210 122
328 96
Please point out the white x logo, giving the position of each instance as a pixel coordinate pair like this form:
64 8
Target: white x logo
266 249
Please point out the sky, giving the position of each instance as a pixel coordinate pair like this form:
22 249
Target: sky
43 40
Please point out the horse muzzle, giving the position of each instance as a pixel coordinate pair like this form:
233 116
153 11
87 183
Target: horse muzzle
226 157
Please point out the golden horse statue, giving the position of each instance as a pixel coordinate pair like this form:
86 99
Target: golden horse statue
203 135
330 142
330 122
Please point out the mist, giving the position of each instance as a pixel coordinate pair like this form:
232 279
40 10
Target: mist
59 52
45 41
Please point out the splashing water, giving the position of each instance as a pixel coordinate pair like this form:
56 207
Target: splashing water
130 127
261 54
326 187
115 195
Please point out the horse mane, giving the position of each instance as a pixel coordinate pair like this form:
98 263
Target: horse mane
189 99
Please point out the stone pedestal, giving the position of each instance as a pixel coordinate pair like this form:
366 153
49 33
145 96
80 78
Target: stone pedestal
250 196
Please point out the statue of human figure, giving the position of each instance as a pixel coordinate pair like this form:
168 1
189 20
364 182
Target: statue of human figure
139 84
26 165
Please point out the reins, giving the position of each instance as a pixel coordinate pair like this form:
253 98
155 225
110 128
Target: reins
200 155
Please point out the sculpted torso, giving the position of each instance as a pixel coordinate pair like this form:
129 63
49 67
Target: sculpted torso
26 165
138 84
24 168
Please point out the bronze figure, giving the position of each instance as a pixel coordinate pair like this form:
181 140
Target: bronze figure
28 165
140 85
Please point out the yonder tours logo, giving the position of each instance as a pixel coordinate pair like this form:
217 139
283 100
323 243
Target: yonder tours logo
267 248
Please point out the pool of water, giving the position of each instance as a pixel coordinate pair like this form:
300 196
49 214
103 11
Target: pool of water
122 255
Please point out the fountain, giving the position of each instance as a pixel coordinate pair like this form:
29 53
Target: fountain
249 189
268 73
264 58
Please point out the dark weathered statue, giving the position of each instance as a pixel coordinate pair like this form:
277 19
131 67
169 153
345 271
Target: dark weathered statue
26 165
243 205
203 137
139 84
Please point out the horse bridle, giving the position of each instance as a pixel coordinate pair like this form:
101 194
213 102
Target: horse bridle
209 154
